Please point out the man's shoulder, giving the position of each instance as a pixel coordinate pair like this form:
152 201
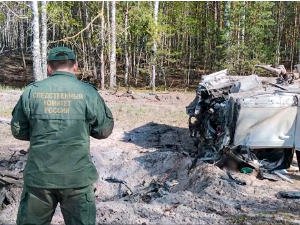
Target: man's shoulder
36 83
30 86
89 87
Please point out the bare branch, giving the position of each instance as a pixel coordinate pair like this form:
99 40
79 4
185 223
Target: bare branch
74 36
19 16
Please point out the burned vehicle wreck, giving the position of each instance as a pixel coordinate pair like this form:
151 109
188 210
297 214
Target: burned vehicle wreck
249 120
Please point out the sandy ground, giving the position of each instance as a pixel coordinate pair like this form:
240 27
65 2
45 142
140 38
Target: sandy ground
147 144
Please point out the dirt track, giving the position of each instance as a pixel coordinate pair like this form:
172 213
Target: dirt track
147 144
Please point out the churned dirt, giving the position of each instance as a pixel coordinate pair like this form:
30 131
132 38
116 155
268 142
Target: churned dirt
149 146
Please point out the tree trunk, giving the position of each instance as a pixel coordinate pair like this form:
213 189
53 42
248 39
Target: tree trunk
53 32
299 51
243 22
112 79
298 30
218 8
22 44
102 67
89 51
133 61
190 59
83 38
36 52
108 28
154 49
138 61
278 39
227 28
125 46
44 39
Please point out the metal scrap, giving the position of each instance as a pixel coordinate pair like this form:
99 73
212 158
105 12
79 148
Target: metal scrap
5 120
115 180
3 192
237 181
154 190
223 127
10 176
283 177
290 194
266 175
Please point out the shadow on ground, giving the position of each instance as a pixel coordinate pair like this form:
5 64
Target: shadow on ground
163 148
161 137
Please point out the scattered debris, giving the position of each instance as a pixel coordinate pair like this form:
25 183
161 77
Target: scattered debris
10 174
5 121
3 191
152 191
281 171
266 175
281 72
114 180
237 181
246 170
283 177
290 194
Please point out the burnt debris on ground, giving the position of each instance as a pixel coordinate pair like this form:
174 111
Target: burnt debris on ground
11 174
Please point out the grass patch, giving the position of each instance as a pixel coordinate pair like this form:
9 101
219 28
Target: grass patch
8 88
5 113
124 110
238 219
145 114
159 88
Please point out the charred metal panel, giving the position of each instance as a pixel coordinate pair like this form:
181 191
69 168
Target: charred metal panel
266 121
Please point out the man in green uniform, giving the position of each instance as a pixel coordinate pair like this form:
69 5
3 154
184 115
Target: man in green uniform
58 115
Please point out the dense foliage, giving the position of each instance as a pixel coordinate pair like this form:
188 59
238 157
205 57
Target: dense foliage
190 36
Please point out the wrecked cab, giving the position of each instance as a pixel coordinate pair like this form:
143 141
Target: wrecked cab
248 120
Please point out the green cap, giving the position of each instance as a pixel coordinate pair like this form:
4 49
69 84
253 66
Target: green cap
60 53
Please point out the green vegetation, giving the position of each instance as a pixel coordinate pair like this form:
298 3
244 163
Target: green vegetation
192 37
6 88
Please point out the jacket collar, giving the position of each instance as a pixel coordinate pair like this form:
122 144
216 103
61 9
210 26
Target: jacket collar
63 73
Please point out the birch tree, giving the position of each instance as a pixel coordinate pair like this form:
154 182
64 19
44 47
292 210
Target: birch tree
154 48
44 39
102 63
243 22
278 35
113 64
227 29
36 51
22 43
125 46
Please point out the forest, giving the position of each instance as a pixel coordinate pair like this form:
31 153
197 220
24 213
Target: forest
151 43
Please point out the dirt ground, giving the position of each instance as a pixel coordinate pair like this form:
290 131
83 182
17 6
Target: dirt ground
149 144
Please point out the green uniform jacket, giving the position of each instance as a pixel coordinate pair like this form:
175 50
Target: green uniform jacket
58 115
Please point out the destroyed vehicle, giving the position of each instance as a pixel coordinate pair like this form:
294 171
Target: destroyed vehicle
254 121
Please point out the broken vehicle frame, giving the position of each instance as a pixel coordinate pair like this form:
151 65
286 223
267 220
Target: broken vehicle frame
255 124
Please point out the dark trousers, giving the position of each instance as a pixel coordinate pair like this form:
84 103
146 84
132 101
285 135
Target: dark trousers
38 205
298 158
